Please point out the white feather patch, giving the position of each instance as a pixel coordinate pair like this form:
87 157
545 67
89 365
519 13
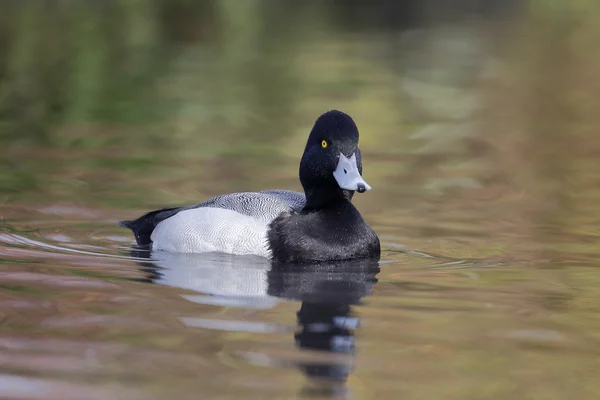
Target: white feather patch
208 229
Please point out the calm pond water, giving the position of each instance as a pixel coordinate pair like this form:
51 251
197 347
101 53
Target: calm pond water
483 158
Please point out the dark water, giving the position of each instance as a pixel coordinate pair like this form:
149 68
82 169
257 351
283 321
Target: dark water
482 151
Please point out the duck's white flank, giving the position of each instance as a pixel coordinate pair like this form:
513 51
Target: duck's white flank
208 229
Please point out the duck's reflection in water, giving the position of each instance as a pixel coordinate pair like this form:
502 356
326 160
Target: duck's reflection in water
327 292
325 321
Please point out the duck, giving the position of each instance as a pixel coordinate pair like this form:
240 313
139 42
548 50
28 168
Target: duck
321 224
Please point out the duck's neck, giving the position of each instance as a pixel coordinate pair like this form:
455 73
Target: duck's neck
325 197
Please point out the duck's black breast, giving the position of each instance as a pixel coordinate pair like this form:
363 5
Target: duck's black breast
333 233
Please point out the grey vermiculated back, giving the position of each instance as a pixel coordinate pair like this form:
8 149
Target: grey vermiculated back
265 206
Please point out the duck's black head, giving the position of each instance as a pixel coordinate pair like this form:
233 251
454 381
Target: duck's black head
331 166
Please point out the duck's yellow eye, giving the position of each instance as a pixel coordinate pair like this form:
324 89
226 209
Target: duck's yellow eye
324 144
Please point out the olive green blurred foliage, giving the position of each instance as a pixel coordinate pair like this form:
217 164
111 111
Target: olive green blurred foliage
129 78
71 63
65 64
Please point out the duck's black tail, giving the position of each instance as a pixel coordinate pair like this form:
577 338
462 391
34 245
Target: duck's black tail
127 224
143 227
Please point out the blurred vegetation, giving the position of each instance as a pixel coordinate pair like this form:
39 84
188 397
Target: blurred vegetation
67 64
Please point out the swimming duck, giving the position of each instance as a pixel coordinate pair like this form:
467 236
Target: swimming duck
320 224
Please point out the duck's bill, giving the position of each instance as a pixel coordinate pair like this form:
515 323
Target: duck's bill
347 176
